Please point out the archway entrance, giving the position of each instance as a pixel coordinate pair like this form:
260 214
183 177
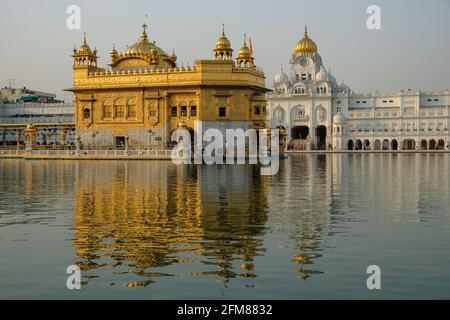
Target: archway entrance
350 145
441 144
385 145
432 144
377 145
119 143
394 145
359 145
300 133
409 145
366 145
192 134
321 138
424 145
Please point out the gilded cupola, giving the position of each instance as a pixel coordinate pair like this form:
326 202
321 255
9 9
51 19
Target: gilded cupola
245 58
306 46
141 55
114 53
223 50
84 57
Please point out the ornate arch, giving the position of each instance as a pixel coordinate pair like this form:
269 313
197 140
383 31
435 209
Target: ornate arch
321 113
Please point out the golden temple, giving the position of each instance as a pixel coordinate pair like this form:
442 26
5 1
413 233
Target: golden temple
143 96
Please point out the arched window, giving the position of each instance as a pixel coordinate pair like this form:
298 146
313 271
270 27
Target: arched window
321 114
131 109
86 113
119 109
183 111
174 111
107 110
193 110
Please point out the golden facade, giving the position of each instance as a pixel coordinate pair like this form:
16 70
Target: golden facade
144 95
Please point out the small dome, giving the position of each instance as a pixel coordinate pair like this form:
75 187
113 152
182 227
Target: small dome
306 45
322 75
281 77
343 88
244 52
84 47
223 43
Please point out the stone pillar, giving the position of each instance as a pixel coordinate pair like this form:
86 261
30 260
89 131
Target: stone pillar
127 138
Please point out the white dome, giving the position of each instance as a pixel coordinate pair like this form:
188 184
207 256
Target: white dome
281 77
343 88
322 75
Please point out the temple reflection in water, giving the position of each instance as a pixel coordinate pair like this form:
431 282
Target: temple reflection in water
145 218
154 214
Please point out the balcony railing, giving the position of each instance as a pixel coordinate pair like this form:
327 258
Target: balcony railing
300 118
95 153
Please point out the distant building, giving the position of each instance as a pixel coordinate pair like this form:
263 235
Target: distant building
24 95
319 113
55 121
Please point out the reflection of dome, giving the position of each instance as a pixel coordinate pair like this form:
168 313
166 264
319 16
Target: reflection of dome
322 75
281 77
306 45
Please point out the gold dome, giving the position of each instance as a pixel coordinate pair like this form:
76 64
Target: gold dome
305 45
144 46
84 47
223 43
244 52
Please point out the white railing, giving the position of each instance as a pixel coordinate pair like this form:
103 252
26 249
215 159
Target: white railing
37 120
93 153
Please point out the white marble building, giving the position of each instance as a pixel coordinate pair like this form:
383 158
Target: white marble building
319 113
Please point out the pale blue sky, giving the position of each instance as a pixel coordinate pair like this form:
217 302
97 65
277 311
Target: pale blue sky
411 51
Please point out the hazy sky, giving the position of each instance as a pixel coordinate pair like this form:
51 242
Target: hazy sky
412 50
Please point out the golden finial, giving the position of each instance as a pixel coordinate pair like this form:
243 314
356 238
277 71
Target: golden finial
306 29
245 40
85 40
144 36
223 29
